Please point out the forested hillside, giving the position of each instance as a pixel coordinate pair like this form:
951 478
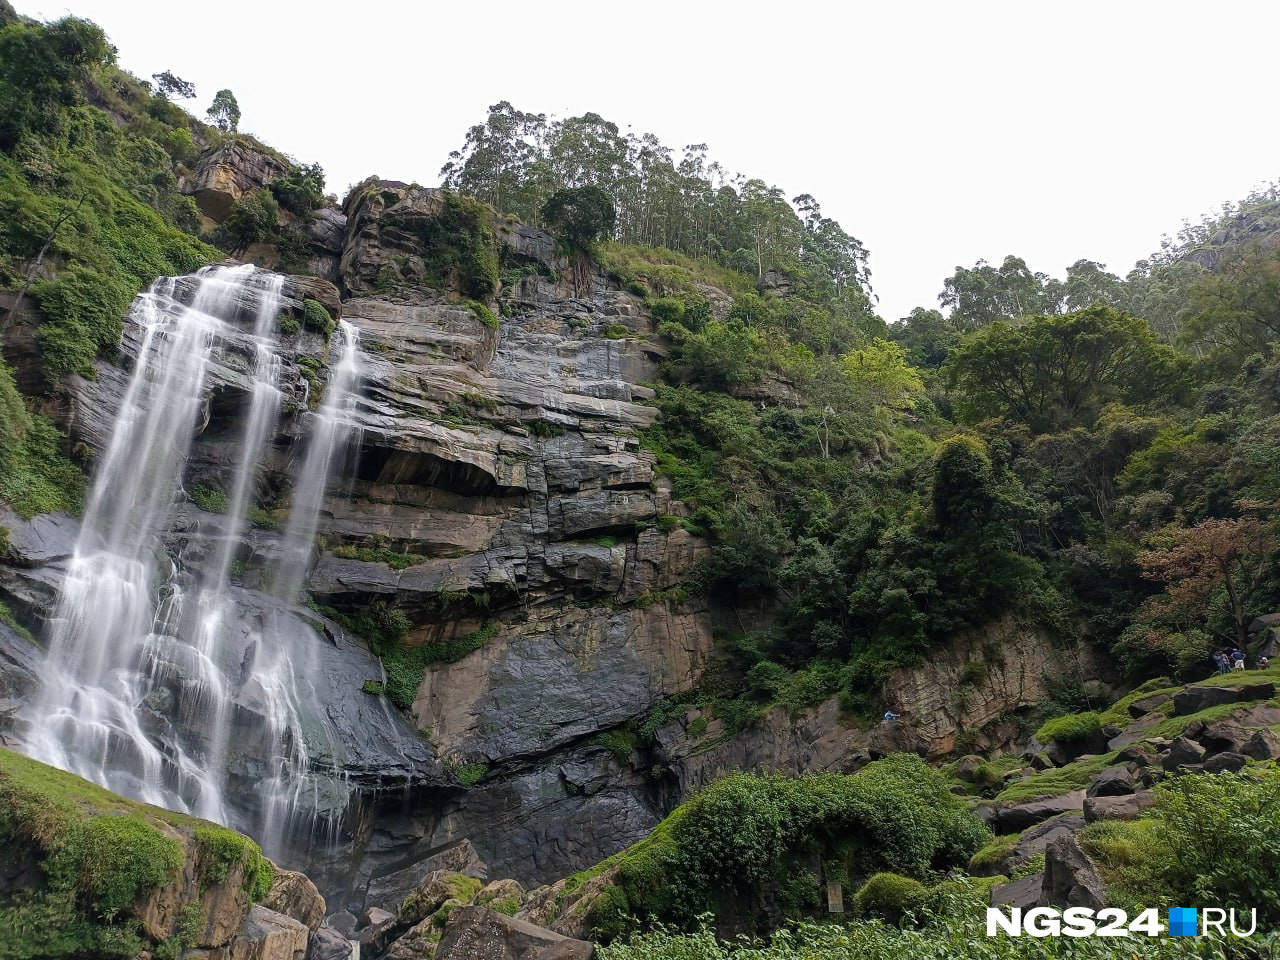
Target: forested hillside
1092 453
631 420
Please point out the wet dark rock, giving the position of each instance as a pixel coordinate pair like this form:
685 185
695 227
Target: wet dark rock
1182 752
1017 818
1128 807
1070 877
1195 699
1112 782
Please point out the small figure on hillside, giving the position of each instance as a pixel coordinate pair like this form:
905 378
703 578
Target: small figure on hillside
1262 663
890 715
1221 661
1237 657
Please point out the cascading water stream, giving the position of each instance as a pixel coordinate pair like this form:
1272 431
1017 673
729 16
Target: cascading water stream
156 673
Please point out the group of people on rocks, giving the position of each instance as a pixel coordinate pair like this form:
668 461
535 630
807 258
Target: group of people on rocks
1228 660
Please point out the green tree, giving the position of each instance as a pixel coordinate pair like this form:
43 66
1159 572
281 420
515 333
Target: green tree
926 336
253 219
1056 372
500 162
43 69
301 189
172 87
985 294
581 215
1235 311
224 112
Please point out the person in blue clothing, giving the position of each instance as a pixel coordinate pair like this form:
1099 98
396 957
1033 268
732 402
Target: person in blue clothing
1237 659
890 715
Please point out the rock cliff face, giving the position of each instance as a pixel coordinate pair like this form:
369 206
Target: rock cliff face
499 465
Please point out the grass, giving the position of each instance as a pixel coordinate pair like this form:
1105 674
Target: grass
395 559
1054 783
1071 728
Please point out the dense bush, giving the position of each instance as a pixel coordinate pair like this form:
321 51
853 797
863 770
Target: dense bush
1208 839
743 839
891 897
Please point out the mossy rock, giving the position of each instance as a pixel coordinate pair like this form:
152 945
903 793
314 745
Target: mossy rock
104 876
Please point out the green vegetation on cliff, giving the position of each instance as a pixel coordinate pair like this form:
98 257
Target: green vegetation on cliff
87 860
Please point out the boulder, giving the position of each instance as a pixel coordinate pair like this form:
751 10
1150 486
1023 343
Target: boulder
1017 818
1195 699
1223 735
1182 752
376 930
1139 755
1070 878
1263 745
966 767
1148 704
327 943
437 887
265 935
294 895
478 933
1024 893
1040 761
895 736
1112 782
1225 761
1128 807
503 893
391 889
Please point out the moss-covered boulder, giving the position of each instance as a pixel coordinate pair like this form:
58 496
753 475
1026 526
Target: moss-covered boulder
84 872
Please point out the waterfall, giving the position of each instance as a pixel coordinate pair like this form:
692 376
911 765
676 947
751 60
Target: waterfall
162 676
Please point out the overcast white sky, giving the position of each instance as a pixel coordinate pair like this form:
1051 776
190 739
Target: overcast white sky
938 133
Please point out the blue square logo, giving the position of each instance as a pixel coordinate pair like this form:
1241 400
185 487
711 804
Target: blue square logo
1182 922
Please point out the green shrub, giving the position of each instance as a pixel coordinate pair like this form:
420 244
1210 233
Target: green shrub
316 317
222 850
373 687
617 331
746 832
545 429
395 559
83 315
891 897
992 855
35 477
1072 728
1209 838
209 500
253 219
484 314
300 189
288 325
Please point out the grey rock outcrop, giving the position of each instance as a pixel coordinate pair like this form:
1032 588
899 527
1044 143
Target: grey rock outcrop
477 933
228 172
